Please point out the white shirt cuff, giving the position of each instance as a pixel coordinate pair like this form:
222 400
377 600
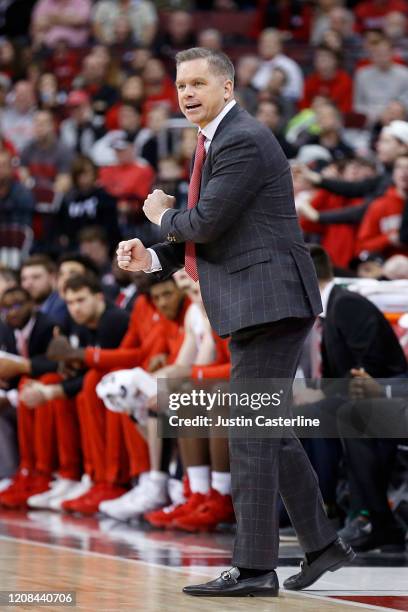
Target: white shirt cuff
163 213
156 265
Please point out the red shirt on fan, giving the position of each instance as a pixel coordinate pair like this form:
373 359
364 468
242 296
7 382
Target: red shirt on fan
370 13
381 223
131 182
339 89
338 239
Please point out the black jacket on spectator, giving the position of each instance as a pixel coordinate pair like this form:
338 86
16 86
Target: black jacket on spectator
79 210
38 342
112 327
357 335
17 205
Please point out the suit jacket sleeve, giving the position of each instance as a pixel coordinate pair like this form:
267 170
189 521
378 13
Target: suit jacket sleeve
234 182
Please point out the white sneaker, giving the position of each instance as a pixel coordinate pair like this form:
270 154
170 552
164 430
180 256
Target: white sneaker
150 494
41 500
4 483
74 489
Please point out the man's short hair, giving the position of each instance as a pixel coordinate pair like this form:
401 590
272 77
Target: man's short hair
84 260
218 62
40 260
83 281
17 289
321 261
93 233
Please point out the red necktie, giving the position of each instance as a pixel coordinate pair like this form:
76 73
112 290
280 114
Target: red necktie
193 197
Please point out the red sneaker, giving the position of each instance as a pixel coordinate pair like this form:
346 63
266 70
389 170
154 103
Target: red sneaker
165 517
215 509
16 497
19 483
89 502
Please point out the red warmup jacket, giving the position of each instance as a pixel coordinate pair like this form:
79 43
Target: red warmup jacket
381 221
147 335
338 239
339 90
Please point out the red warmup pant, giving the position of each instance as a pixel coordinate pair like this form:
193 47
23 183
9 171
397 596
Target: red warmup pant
117 451
36 435
49 436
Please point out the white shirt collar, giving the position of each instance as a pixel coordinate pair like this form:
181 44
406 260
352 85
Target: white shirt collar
211 127
325 295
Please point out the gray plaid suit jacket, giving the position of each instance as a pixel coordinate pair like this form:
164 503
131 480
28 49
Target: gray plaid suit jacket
252 262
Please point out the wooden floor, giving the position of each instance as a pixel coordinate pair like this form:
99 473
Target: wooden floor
104 583
113 566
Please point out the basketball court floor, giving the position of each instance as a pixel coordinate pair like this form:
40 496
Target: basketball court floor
113 566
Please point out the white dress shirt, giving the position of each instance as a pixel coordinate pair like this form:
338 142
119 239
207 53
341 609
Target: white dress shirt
209 132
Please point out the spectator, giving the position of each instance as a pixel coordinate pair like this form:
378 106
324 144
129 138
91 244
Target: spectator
93 80
376 85
274 91
330 132
158 86
321 19
380 228
270 50
328 80
141 17
178 35
82 128
93 243
38 276
56 20
394 111
17 120
131 92
130 181
16 201
86 204
247 66
45 162
269 113
210 39
171 179
370 14
341 21
49 98
291 17
73 264
144 140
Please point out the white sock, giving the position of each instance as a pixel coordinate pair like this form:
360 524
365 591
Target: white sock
157 476
199 478
221 482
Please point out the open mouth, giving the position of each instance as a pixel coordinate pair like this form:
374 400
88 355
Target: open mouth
192 107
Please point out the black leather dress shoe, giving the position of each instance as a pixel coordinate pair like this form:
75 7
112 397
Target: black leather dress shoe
228 585
339 554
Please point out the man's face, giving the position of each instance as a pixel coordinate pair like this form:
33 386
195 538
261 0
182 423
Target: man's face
16 309
66 270
38 282
166 297
201 93
388 148
83 306
43 126
400 175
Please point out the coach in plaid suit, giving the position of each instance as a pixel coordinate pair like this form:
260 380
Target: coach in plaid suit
258 285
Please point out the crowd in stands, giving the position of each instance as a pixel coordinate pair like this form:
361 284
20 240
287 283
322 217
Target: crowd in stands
89 126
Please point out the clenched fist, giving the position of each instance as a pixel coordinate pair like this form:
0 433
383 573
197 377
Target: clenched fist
133 256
